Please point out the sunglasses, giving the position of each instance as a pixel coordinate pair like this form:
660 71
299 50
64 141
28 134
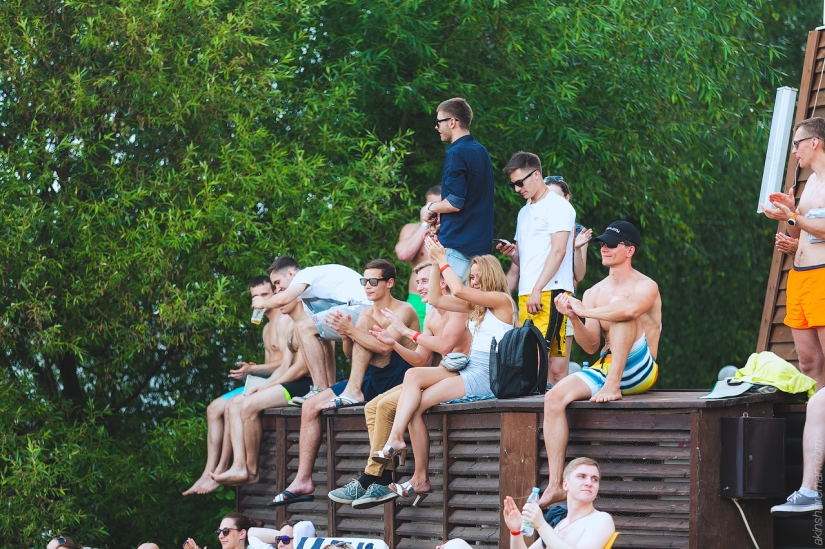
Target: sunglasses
796 143
372 281
520 182
438 121
223 531
283 539
616 245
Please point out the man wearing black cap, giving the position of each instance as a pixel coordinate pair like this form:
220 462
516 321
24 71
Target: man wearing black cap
627 307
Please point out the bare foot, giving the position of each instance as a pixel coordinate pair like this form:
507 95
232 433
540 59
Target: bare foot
194 488
207 487
250 479
551 495
301 488
607 394
232 476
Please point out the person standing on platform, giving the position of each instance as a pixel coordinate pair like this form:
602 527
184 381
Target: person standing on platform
410 249
543 250
805 309
466 211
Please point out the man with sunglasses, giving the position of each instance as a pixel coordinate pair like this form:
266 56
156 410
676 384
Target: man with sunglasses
805 307
375 368
543 251
627 308
466 210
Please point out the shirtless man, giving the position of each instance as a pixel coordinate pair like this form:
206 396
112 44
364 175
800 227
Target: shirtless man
218 438
291 378
410 249
444 332
805 313
376 368
627 308
584 527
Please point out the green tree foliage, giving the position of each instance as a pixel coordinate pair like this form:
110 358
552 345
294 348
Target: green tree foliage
155 156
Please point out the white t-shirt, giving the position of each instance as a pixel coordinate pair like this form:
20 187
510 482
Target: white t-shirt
536 223
328 286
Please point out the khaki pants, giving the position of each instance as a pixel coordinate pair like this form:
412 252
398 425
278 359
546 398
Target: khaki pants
380 414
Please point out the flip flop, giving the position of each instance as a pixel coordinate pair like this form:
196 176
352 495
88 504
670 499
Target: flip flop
342 402
286 497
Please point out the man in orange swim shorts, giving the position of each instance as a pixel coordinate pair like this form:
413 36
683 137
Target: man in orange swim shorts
805 309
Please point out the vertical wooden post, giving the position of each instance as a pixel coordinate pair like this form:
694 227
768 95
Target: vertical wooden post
280 464
518 461
445 476
332 507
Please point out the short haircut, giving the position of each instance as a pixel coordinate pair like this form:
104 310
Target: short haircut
387 268
561 184
522 161
580 461
814 126
422 265
259 281
282 263
436 189
636 248
459 109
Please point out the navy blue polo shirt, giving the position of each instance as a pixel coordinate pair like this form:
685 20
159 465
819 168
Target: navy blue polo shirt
467 184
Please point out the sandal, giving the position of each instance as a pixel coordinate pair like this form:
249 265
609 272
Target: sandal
405 490
388 453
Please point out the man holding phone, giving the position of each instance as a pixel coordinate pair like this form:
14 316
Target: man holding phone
543 251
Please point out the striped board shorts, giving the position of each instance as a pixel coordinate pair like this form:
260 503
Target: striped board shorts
639 374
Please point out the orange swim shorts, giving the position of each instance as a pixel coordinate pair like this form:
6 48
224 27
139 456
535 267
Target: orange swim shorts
805 306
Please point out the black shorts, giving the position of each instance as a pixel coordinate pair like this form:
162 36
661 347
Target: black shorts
379 380
299 387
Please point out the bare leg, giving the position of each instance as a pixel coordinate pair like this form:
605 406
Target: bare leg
214 437
556 433
271 397
313 350
559 366
309 442
446 389
622 337
415 381
329 360
361 359
809 346
237 474
813 442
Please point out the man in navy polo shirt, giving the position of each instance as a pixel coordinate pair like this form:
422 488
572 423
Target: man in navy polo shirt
466 210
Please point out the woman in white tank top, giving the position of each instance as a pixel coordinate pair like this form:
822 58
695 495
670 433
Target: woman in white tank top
492 312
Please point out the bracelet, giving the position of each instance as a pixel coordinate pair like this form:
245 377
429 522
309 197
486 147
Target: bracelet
425 225
444 268
415 337
428 207
515 533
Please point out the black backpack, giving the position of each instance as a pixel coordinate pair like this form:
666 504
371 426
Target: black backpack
518 363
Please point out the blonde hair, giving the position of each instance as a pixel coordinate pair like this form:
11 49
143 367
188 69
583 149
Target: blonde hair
491 278
580 461
422 265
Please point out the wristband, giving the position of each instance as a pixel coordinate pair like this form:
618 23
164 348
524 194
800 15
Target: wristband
444 268
415 337
515 533
428 207
425 225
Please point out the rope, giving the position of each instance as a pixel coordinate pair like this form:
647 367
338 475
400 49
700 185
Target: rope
753 539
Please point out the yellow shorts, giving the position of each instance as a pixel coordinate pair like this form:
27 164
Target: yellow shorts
805 306
549 321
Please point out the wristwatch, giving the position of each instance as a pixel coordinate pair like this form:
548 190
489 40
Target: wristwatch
792 220
428 207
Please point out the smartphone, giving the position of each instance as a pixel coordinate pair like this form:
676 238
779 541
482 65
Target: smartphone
500 241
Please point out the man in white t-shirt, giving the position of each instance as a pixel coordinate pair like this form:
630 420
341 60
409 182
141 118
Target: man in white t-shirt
323 289
543 250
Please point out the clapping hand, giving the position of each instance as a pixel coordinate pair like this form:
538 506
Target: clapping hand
436 251
382 335
786 244
512 516
583 238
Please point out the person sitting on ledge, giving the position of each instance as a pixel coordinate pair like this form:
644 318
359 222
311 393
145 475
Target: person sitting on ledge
492 314
376 368
584 527
627 308
291 378
443 332
808 498
218 437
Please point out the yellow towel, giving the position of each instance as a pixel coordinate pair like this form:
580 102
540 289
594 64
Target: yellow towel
766 368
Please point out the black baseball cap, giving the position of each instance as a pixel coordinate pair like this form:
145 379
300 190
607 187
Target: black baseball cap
619 231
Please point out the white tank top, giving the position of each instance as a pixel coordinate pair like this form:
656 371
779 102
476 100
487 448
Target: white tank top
489 328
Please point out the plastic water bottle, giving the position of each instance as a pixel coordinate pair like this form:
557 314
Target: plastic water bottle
585 365
526 527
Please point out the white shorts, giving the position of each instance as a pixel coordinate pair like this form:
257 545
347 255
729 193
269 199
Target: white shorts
325 332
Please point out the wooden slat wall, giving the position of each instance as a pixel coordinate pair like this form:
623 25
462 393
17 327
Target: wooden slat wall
774 336
645 463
